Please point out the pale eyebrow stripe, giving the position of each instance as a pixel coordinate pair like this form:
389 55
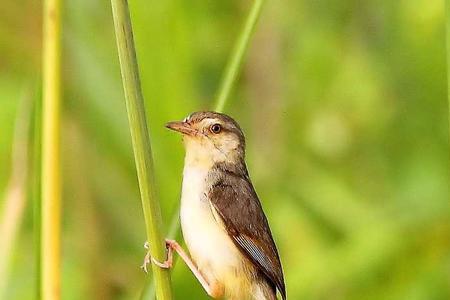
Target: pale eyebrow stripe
187 118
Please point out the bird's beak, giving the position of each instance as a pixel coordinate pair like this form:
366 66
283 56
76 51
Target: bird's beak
182 127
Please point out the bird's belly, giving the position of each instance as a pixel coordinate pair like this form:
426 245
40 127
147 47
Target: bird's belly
208 244
210 247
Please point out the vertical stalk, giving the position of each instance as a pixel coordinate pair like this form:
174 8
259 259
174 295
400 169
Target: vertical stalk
51 191
447 16
141 143
234 64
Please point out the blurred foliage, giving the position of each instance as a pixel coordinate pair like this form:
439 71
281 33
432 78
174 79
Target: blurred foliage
344 107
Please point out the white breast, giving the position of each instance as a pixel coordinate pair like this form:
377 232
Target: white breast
209 245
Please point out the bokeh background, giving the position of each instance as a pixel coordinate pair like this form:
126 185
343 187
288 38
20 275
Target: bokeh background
344 107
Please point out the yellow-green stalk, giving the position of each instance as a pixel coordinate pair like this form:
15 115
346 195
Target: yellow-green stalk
141 143
447 15
51 186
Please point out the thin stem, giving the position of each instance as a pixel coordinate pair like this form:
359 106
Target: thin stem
447 14
141 143
234 64
51 193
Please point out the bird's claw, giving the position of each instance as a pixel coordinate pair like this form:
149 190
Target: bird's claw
146 262
165 265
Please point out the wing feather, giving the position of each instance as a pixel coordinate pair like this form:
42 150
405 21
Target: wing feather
235 201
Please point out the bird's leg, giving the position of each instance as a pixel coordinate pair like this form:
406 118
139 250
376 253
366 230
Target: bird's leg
213 290
175 246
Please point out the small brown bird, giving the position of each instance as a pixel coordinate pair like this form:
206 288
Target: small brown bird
224 226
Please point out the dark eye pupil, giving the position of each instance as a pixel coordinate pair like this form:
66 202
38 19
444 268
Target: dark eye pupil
216 128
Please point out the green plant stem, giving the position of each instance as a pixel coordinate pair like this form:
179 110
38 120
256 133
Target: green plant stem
447 15
51 192
141 143
234 64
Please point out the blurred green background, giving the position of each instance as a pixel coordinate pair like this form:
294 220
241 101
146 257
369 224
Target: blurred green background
344 107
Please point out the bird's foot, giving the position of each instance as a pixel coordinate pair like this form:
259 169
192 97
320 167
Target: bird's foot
167 264
215 290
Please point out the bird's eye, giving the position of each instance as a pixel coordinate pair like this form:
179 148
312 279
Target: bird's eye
216 128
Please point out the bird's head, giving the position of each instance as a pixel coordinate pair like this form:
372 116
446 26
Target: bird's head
210 138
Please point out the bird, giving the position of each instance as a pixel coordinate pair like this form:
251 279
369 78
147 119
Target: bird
232 251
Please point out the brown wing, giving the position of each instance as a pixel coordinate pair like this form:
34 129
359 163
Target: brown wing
235 200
